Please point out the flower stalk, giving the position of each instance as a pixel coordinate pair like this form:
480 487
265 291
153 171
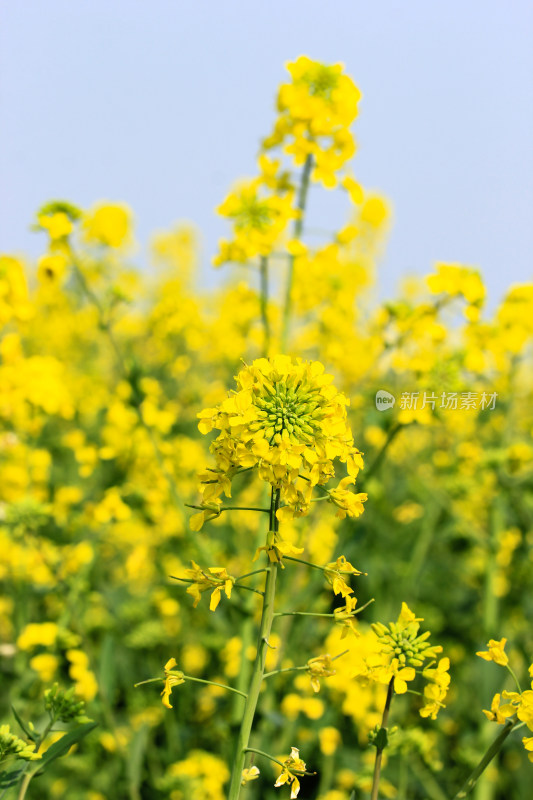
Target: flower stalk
298 228
381 746
265 628
263 270
470 784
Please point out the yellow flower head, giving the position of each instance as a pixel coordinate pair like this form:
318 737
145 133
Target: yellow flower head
456 280
400 652
495 652
525 710
320 667
349 504
276 548
51 268
288 420
498 712
172 678
11 745
58 218
345 615
213 578
528 744
315 112
108 224
293 767
433 697
250 774
401 640
13 290
258 221
334 575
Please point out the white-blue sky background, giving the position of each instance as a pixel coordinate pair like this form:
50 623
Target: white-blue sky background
162 104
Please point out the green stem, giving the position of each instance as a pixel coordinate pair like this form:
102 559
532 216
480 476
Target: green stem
245 508
267 616
28 776
403 778
262 753
486 788
236 585
294 669
426 778
492 751
149 680
301 614
275 760
379 750
230 508
285 669
196 680
264 303
214 683
393 432
513 673
307 563
317 614
249 574
298 228
327 774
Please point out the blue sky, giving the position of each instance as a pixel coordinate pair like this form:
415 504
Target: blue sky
162 105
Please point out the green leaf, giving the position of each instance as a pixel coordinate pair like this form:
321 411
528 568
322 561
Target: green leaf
137 750
382 739
10 778
32 736
63 745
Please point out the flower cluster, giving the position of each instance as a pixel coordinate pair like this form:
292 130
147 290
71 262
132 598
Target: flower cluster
399 654
107 224
11 745
315 112
259 219
14 301
456 280
287 420
64 705
519 703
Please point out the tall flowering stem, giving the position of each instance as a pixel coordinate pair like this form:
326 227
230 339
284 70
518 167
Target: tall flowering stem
265 627
381 747
298 228
264 303
492 751
287 420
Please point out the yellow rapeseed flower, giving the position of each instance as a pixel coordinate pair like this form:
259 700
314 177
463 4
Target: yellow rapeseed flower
108 224
287 420
172 678
203 580
495 652
250 774
293 767
320 667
